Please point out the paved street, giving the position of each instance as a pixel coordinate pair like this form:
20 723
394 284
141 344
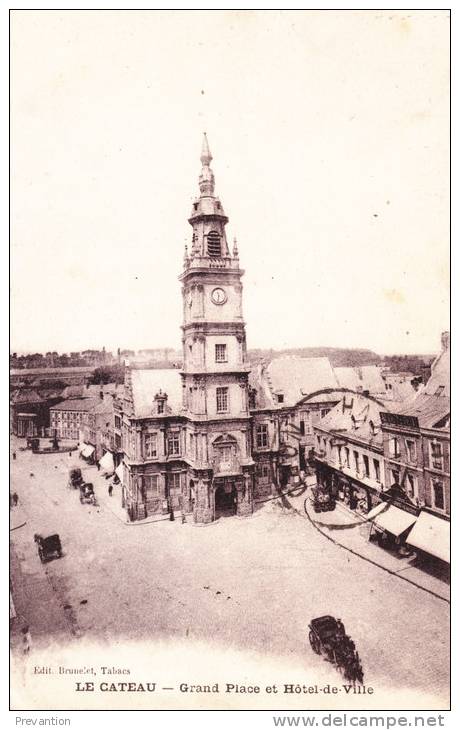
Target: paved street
249 584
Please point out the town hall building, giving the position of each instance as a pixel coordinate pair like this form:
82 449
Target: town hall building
187 435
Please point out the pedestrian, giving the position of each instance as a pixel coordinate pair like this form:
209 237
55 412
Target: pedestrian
14 456
70 454
110 489
182 511
15 499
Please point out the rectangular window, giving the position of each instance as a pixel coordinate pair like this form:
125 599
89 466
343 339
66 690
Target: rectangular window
173 445
324 412
150 446
174 481
436 455
410 485
262 436
160 406
152 485
347 456
395 476
117 422
438 493
280 398
302 428
366 466
377 469
411 452
221 353
222 400
356 457
394 448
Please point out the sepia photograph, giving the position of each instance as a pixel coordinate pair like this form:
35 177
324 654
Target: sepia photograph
229 360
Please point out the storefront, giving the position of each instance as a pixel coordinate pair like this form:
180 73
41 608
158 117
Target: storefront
27 424
355 495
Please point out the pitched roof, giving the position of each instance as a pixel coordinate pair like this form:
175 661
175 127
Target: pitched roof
75 404
429 409
296 377
440 375
432 403
145 385
26 396
367 377
356 416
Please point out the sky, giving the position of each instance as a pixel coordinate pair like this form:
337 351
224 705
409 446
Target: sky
330 137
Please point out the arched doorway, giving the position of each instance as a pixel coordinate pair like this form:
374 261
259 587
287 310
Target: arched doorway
225 498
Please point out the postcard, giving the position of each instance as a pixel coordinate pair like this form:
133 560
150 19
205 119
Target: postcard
230 360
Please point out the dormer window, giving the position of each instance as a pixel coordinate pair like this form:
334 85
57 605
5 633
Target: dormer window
159 402
280 397
214 244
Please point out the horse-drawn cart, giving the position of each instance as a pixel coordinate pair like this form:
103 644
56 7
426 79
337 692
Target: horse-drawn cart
87 495
322 500
328 638
75 478
48 547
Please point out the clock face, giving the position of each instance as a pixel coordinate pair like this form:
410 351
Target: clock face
218 296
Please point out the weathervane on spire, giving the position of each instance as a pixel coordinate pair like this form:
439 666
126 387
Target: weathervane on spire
206 156
207 175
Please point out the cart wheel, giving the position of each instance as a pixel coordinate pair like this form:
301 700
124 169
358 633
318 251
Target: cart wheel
314 643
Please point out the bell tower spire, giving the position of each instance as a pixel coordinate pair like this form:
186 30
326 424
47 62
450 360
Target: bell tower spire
208 218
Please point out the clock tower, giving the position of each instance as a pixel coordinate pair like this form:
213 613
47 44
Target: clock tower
215 368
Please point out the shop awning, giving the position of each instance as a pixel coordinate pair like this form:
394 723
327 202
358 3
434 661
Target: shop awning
432 535
394 520
119 472
106 463
86 450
